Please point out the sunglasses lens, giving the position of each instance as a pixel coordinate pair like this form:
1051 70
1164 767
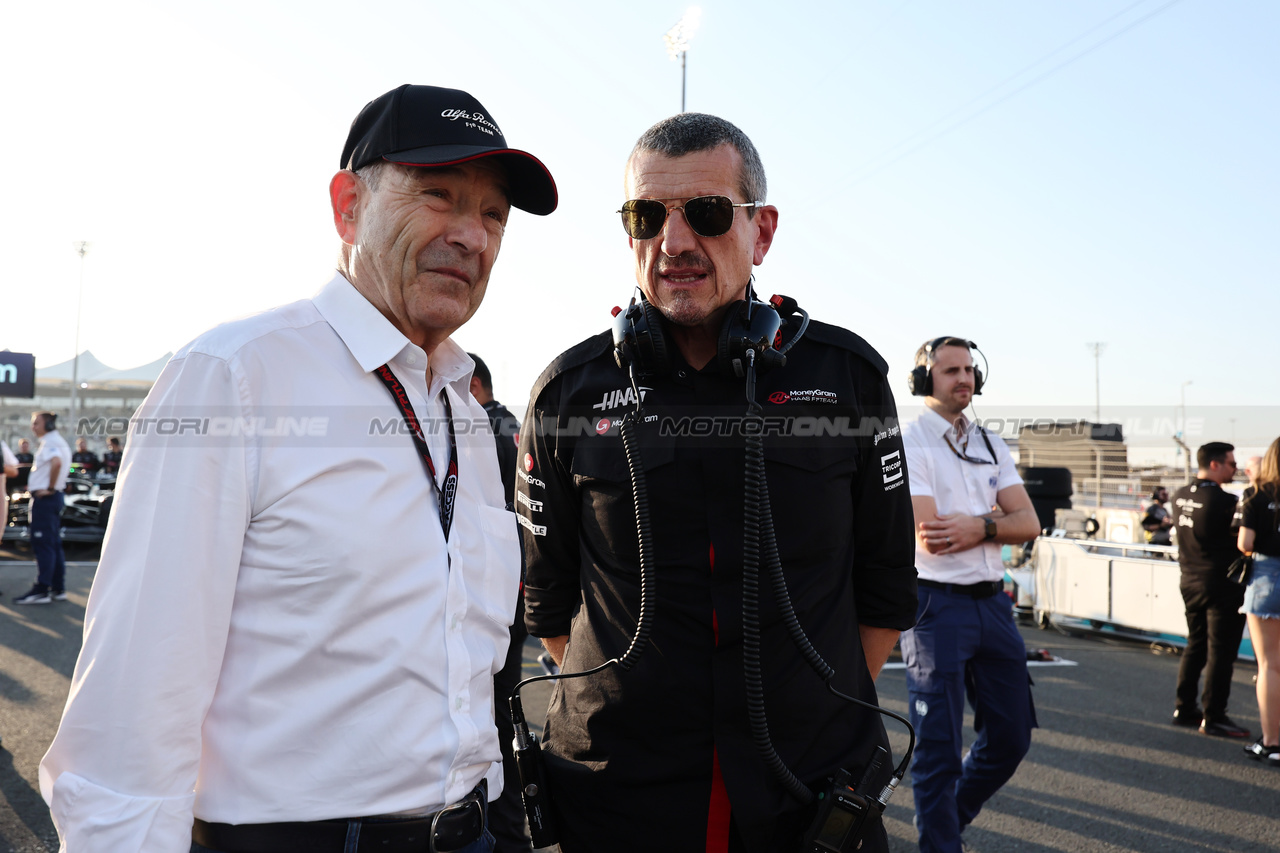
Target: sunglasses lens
709 215
642 218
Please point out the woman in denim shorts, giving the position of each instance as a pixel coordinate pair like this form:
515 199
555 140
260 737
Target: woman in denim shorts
1260 536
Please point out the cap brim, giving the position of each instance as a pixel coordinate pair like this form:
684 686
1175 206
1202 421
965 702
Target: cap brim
530 183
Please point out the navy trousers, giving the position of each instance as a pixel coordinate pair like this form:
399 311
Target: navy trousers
46 541
962 646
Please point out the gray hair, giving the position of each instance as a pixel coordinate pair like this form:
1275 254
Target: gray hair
689 132
372 173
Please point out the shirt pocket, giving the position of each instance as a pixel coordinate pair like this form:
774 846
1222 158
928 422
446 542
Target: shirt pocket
811 498
603 477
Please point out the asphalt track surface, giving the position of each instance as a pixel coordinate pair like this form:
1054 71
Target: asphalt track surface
1106 771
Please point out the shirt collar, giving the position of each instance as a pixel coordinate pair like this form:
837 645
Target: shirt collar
940 426
370 337
374 341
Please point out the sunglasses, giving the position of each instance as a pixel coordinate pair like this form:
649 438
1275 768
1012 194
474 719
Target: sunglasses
707 215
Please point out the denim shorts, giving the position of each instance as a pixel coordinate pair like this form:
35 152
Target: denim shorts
1262 596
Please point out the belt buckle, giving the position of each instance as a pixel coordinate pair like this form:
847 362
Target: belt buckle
471 800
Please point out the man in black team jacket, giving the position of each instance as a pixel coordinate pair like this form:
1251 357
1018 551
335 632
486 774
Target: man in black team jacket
662 757
1206 547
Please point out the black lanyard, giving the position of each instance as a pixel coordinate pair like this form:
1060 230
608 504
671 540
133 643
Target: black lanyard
966 457
446 495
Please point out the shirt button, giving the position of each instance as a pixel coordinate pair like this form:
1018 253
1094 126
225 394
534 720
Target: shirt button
458 703
683 374
413 359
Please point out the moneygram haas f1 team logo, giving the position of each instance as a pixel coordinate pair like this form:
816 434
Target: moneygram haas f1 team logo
807 395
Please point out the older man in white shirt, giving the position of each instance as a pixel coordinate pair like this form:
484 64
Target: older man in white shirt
307 582
968 499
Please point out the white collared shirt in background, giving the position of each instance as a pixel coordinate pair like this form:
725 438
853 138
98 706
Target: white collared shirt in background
957 486
276 632
10 461
52 446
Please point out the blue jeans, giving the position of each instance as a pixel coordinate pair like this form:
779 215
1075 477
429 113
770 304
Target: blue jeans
46 541
963 646
484 845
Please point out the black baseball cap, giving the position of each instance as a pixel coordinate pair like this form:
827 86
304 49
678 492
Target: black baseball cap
431 126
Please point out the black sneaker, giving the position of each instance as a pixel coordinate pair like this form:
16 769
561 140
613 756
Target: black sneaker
58 595
1190 718
1222 728
1267 754
35 596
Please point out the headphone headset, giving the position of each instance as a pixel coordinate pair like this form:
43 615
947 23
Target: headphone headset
921 379
639 341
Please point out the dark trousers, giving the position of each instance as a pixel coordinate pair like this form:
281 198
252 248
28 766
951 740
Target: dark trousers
46 541
1214 630
484 845
964 647
506 814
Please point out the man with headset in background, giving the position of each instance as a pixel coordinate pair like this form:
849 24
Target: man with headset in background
968 500
662 756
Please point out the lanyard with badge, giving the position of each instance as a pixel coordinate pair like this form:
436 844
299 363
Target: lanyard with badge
446 494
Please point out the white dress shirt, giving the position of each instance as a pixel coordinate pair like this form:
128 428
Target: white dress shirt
10 461
957 486
52 446
277 630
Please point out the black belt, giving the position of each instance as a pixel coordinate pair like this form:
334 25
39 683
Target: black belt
451 828
986 589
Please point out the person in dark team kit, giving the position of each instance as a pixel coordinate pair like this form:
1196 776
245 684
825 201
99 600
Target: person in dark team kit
1202 514
663 756
506 813
1157 523
84 459
111 459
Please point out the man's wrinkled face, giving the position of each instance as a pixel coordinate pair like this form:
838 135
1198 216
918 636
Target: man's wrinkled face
426 241
953 377
690 278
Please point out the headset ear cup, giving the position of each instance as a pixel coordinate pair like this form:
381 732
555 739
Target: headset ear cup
653 358
731 328
920 382
977 381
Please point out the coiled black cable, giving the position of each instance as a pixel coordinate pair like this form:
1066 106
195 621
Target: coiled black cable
756 519
760 542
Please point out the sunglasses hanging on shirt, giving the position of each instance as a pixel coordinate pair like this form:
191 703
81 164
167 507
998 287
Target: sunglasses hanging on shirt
707 215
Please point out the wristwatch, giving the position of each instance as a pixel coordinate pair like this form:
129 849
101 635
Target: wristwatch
991 527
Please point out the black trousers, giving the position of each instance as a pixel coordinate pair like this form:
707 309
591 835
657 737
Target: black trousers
1214 630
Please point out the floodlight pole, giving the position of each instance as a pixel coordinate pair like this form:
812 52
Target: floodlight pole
1098 347
684 57
677 41
82 248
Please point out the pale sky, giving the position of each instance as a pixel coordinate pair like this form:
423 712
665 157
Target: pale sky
1031 175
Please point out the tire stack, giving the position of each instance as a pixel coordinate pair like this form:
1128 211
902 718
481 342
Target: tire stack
1049 490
